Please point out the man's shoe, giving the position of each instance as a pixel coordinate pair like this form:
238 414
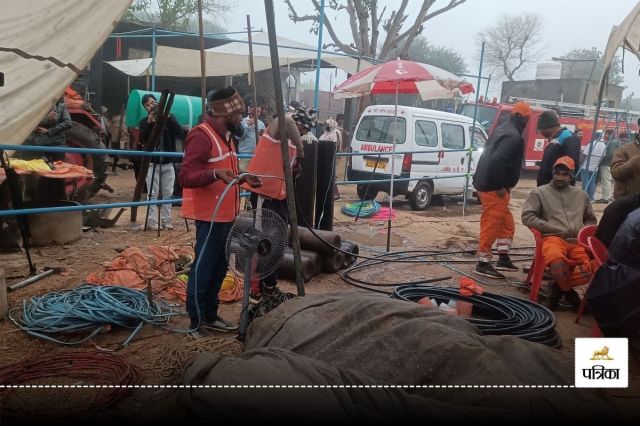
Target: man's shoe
573 298
152 226
255 297
505 264
485 268
555 294
197 334
167 225
602 201
220 325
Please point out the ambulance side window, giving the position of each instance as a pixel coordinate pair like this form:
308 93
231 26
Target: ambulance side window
479 139
426 133
452 136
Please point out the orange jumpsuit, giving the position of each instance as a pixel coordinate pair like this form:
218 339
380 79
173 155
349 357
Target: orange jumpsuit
496 224
568 263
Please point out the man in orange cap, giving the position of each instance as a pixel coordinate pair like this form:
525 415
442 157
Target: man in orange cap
559 211
498 171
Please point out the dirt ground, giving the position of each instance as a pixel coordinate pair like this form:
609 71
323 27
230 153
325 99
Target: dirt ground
442 226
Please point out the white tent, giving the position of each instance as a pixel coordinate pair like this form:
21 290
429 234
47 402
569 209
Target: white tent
626 35
132 67
44 44
232 59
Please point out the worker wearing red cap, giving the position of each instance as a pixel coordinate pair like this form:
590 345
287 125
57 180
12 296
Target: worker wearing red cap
559 211
497 172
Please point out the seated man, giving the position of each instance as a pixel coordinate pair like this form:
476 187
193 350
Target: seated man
559 210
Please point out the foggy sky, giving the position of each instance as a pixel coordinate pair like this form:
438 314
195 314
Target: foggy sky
569 24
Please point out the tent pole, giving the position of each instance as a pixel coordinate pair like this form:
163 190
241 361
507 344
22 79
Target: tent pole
252 77
475 114
393 171
153 58
291 199
603 82
486 90
203 61
316 93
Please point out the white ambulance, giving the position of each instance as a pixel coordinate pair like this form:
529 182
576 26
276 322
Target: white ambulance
440 172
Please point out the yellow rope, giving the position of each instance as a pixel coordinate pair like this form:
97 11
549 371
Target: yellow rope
168 366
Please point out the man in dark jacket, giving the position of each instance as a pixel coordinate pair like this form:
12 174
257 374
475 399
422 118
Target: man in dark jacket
614 215
51 132
161 174
614 293
562 142
498 171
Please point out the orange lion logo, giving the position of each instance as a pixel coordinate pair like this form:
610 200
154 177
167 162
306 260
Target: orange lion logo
602 354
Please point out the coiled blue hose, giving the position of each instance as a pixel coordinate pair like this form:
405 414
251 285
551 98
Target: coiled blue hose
89 308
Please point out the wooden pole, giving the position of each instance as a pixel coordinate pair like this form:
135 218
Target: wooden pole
252 75
291 199
203 60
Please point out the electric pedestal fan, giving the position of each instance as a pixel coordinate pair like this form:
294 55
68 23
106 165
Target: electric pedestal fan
255 247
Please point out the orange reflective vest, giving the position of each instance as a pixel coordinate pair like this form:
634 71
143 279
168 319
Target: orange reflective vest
267 161
200 203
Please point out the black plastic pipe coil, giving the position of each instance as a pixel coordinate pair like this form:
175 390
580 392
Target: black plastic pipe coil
494 314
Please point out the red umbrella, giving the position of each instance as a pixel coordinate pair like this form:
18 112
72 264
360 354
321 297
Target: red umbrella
402 77
428 81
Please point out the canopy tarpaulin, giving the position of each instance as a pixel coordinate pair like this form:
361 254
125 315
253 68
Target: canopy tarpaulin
132 67
626 35
44 44
233 59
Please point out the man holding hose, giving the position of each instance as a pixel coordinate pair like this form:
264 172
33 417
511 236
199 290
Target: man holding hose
210 164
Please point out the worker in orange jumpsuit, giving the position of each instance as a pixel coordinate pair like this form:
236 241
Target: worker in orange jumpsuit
559 211
498 171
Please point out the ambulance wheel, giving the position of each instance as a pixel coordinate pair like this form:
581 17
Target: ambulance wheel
421 196
362 189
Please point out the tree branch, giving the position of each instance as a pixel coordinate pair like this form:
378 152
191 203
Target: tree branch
451 5
363 22
375 24
293 15
415 29
327 23
354 24
393 27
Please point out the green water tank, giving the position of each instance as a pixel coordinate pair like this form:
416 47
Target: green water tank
186 109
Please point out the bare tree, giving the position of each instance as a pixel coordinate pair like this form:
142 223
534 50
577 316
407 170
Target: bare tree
512 43
174 14
367 21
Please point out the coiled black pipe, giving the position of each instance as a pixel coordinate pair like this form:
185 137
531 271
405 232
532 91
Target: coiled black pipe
494 314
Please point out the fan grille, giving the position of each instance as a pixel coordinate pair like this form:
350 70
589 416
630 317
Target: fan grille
258 237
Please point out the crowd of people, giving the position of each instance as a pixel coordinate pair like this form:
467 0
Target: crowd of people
559 210
217 152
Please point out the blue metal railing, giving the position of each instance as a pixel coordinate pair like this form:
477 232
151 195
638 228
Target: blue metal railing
359 182
135 153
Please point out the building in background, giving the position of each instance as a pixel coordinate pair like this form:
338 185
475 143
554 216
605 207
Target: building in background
563 81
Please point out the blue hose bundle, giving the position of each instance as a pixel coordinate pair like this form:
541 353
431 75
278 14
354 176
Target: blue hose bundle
91 309
369 208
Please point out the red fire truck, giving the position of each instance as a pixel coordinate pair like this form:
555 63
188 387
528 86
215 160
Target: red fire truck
572 116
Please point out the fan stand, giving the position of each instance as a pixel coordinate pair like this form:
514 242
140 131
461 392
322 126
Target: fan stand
254 247
246 290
